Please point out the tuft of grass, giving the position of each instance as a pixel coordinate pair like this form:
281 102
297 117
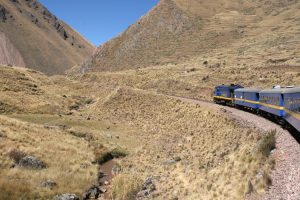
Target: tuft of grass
125 187
267 143
16 155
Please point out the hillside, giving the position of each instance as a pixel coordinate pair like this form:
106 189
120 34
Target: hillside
32 36
133 112
176 31
54 118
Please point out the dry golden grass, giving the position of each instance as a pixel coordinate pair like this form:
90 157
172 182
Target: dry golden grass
128 110
68 161
125 186
217 159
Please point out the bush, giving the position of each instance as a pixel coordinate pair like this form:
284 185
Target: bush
125 187
267 143
16 155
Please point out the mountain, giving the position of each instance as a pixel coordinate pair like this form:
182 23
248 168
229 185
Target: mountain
178 30
31 36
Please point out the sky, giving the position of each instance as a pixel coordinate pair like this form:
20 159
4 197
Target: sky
99 20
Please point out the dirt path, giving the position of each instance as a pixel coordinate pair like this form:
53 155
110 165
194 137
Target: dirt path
286 176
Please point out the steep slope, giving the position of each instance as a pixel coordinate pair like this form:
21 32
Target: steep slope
8 52
177 30
44 42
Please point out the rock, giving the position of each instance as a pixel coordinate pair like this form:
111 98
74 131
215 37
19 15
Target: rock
205 78
49 184
100 176
31 162
216 65
102 189
3 13
169 162
93 192
66 197
147 189
172 161
115 170
177 159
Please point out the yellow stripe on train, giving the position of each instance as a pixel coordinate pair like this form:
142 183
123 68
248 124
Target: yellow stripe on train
248 101
224 98
272 106
296 115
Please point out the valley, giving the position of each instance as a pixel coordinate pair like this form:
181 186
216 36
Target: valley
139 107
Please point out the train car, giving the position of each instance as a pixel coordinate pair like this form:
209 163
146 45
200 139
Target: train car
224 94
272 104
291 97
247 98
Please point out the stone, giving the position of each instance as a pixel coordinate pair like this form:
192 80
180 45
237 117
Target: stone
177 159
103 190
31 162
49 184
3 13
147 189
115 170
66 197
93 192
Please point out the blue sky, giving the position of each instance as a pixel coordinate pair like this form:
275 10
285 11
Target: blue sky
99 20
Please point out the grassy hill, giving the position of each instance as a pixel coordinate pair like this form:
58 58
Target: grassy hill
176 31
41 41
182 48
91 115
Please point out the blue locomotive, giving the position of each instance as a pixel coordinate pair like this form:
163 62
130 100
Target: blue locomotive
224 94
279 104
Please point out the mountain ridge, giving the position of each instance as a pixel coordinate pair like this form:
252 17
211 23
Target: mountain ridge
46 43
179 30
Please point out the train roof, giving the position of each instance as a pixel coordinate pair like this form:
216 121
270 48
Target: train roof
229 86
248 90
281 90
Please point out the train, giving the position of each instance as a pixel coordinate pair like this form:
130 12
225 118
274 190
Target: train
280 104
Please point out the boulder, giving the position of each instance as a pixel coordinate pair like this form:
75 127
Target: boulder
147 189
66 197
49 184
3 13
93 192
31 162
